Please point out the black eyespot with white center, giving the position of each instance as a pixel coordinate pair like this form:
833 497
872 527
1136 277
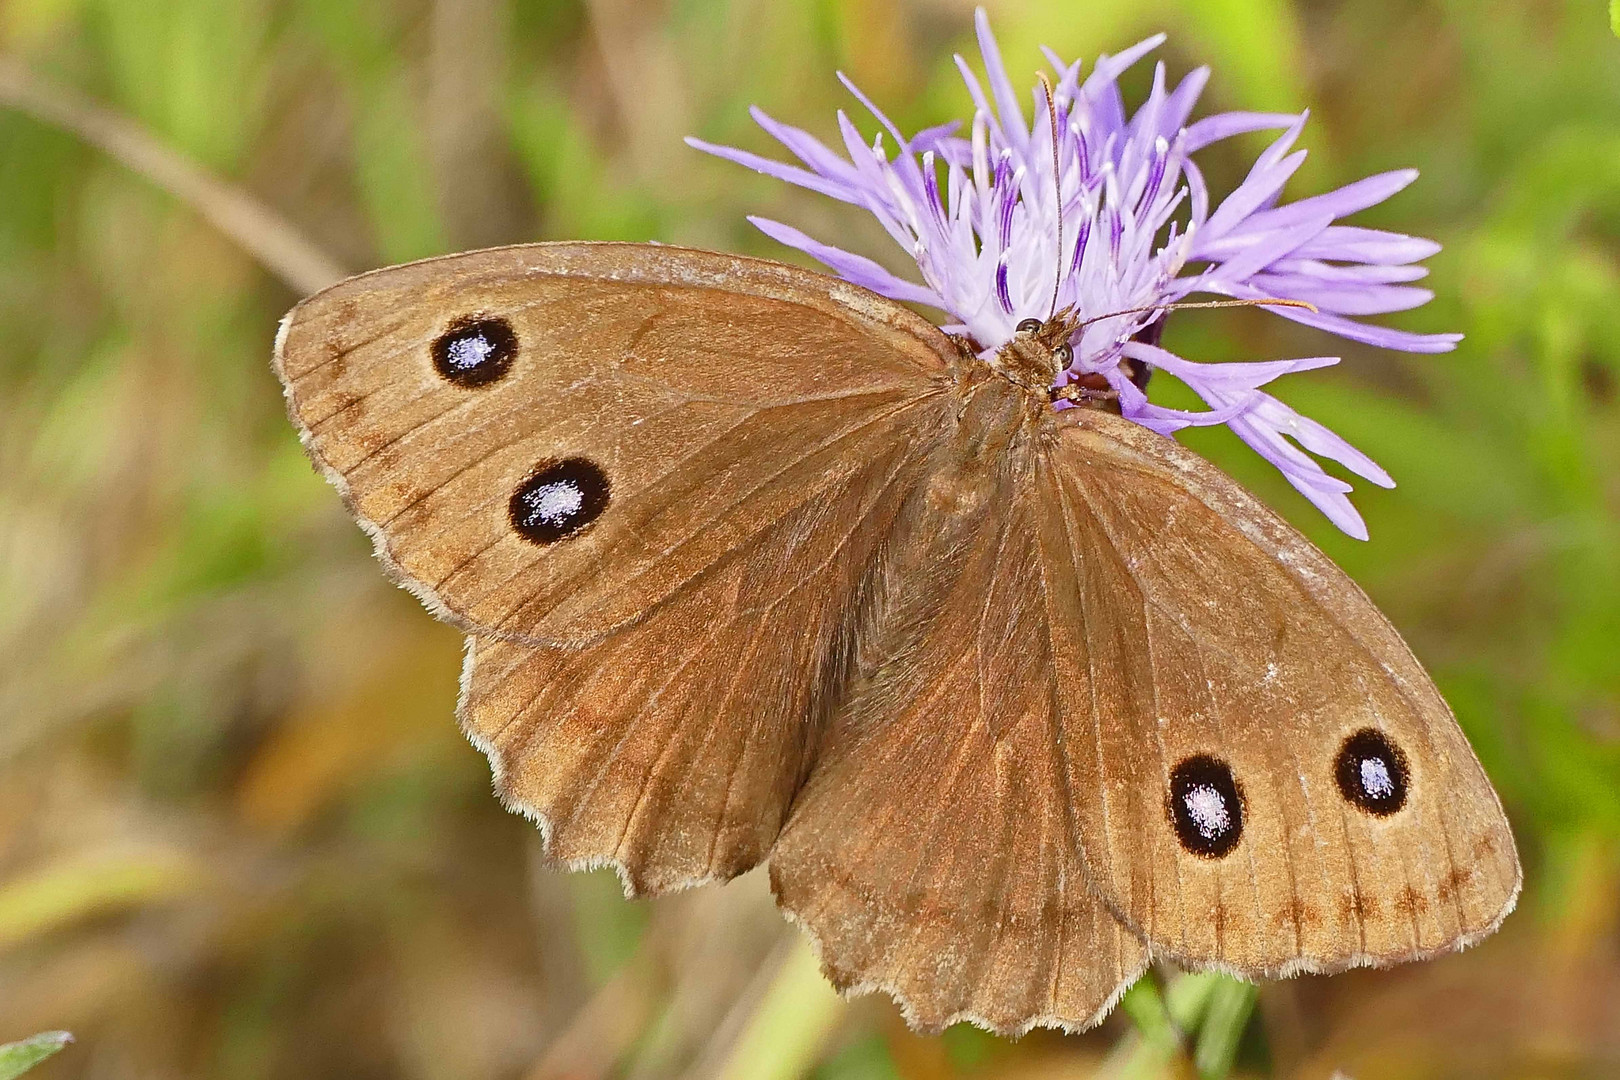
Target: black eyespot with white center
1372 772
1029 326
1206 806
475 351
558 499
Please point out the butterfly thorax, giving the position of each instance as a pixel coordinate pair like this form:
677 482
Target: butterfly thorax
999 419
1027 362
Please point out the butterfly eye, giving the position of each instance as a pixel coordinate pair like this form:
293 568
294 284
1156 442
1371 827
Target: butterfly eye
1206 806
475 352
1064 355
1372 773
1029 326
558 499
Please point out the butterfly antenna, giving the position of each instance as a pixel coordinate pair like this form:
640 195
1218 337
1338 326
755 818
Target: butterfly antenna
1057 187
1270 301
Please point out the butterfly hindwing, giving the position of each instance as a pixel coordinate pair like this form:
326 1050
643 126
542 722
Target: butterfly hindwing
1263 776
931 853
546 440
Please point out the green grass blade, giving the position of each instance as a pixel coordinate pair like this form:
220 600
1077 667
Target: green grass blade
1146 1007
789 1027
1226 1015
17 1058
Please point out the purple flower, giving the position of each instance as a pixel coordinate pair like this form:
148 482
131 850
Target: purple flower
981 217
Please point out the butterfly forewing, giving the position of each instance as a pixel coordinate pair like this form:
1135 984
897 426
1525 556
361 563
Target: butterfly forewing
672 749
1263 776
546 440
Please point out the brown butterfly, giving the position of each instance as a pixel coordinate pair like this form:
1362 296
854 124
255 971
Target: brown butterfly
757 564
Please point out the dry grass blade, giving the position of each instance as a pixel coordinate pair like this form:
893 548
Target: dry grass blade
265 235
646 84
606 1026
780 1022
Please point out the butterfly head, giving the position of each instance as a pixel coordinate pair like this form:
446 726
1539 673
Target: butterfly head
1038 351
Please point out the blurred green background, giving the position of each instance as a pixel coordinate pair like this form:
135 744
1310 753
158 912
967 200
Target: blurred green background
240 836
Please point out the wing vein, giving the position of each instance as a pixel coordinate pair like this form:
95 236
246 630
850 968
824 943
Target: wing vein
1153 682
1067 509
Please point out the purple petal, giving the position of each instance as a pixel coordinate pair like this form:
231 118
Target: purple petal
864 158
1326 493
1267 249
851 267
1294 462
1342 298
956 152
777 170
855 91
936 205
1101 90
1360 274
1212 129
1144 126
1110 68
1226 376
1011 115
1264 182
804 146
936 138
1068 74
1214 417
1158 424
1382 336
1080 243
1200 194
1319 440
1150 191
1182 100
1134 405
1352 244
981 104
1339 203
